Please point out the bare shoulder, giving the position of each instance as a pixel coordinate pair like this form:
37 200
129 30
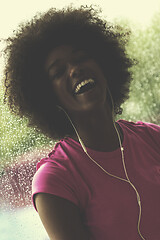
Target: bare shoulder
60 217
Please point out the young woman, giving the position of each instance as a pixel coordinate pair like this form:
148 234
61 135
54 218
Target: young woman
68 72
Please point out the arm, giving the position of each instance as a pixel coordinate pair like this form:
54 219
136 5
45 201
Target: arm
60 217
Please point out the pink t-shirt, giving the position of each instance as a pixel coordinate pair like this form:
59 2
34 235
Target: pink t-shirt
109 206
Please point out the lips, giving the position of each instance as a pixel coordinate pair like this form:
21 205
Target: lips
83 84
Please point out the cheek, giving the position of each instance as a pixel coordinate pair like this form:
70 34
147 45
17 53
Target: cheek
59 90
56 89
99 73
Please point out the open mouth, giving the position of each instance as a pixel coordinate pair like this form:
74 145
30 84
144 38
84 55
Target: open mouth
84 86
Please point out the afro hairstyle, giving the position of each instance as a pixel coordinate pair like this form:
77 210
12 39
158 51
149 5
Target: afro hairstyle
28 91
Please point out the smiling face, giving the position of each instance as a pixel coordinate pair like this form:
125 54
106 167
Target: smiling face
77 79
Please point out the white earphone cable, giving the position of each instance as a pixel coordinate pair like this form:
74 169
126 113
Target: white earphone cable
123 161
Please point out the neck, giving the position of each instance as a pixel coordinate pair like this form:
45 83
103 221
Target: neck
97 130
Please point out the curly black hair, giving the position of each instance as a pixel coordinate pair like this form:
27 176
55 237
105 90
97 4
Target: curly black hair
27 89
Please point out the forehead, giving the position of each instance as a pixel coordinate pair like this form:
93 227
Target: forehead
59 52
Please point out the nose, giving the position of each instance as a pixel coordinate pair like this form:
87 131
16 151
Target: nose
74 70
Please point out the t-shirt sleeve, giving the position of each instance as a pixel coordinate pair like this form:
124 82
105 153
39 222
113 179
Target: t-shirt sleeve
153 131
54 179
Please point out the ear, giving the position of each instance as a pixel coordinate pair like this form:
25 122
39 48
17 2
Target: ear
60 108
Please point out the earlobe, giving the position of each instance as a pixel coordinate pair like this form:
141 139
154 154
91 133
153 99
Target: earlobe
60 108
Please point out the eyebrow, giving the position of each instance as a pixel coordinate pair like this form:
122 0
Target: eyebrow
58 60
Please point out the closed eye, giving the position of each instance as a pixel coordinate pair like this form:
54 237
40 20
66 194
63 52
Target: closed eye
77 60
59 73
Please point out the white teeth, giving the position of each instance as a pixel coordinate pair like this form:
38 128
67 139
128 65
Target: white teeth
83 83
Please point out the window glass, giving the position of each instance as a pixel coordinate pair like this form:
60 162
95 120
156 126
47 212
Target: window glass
21 147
